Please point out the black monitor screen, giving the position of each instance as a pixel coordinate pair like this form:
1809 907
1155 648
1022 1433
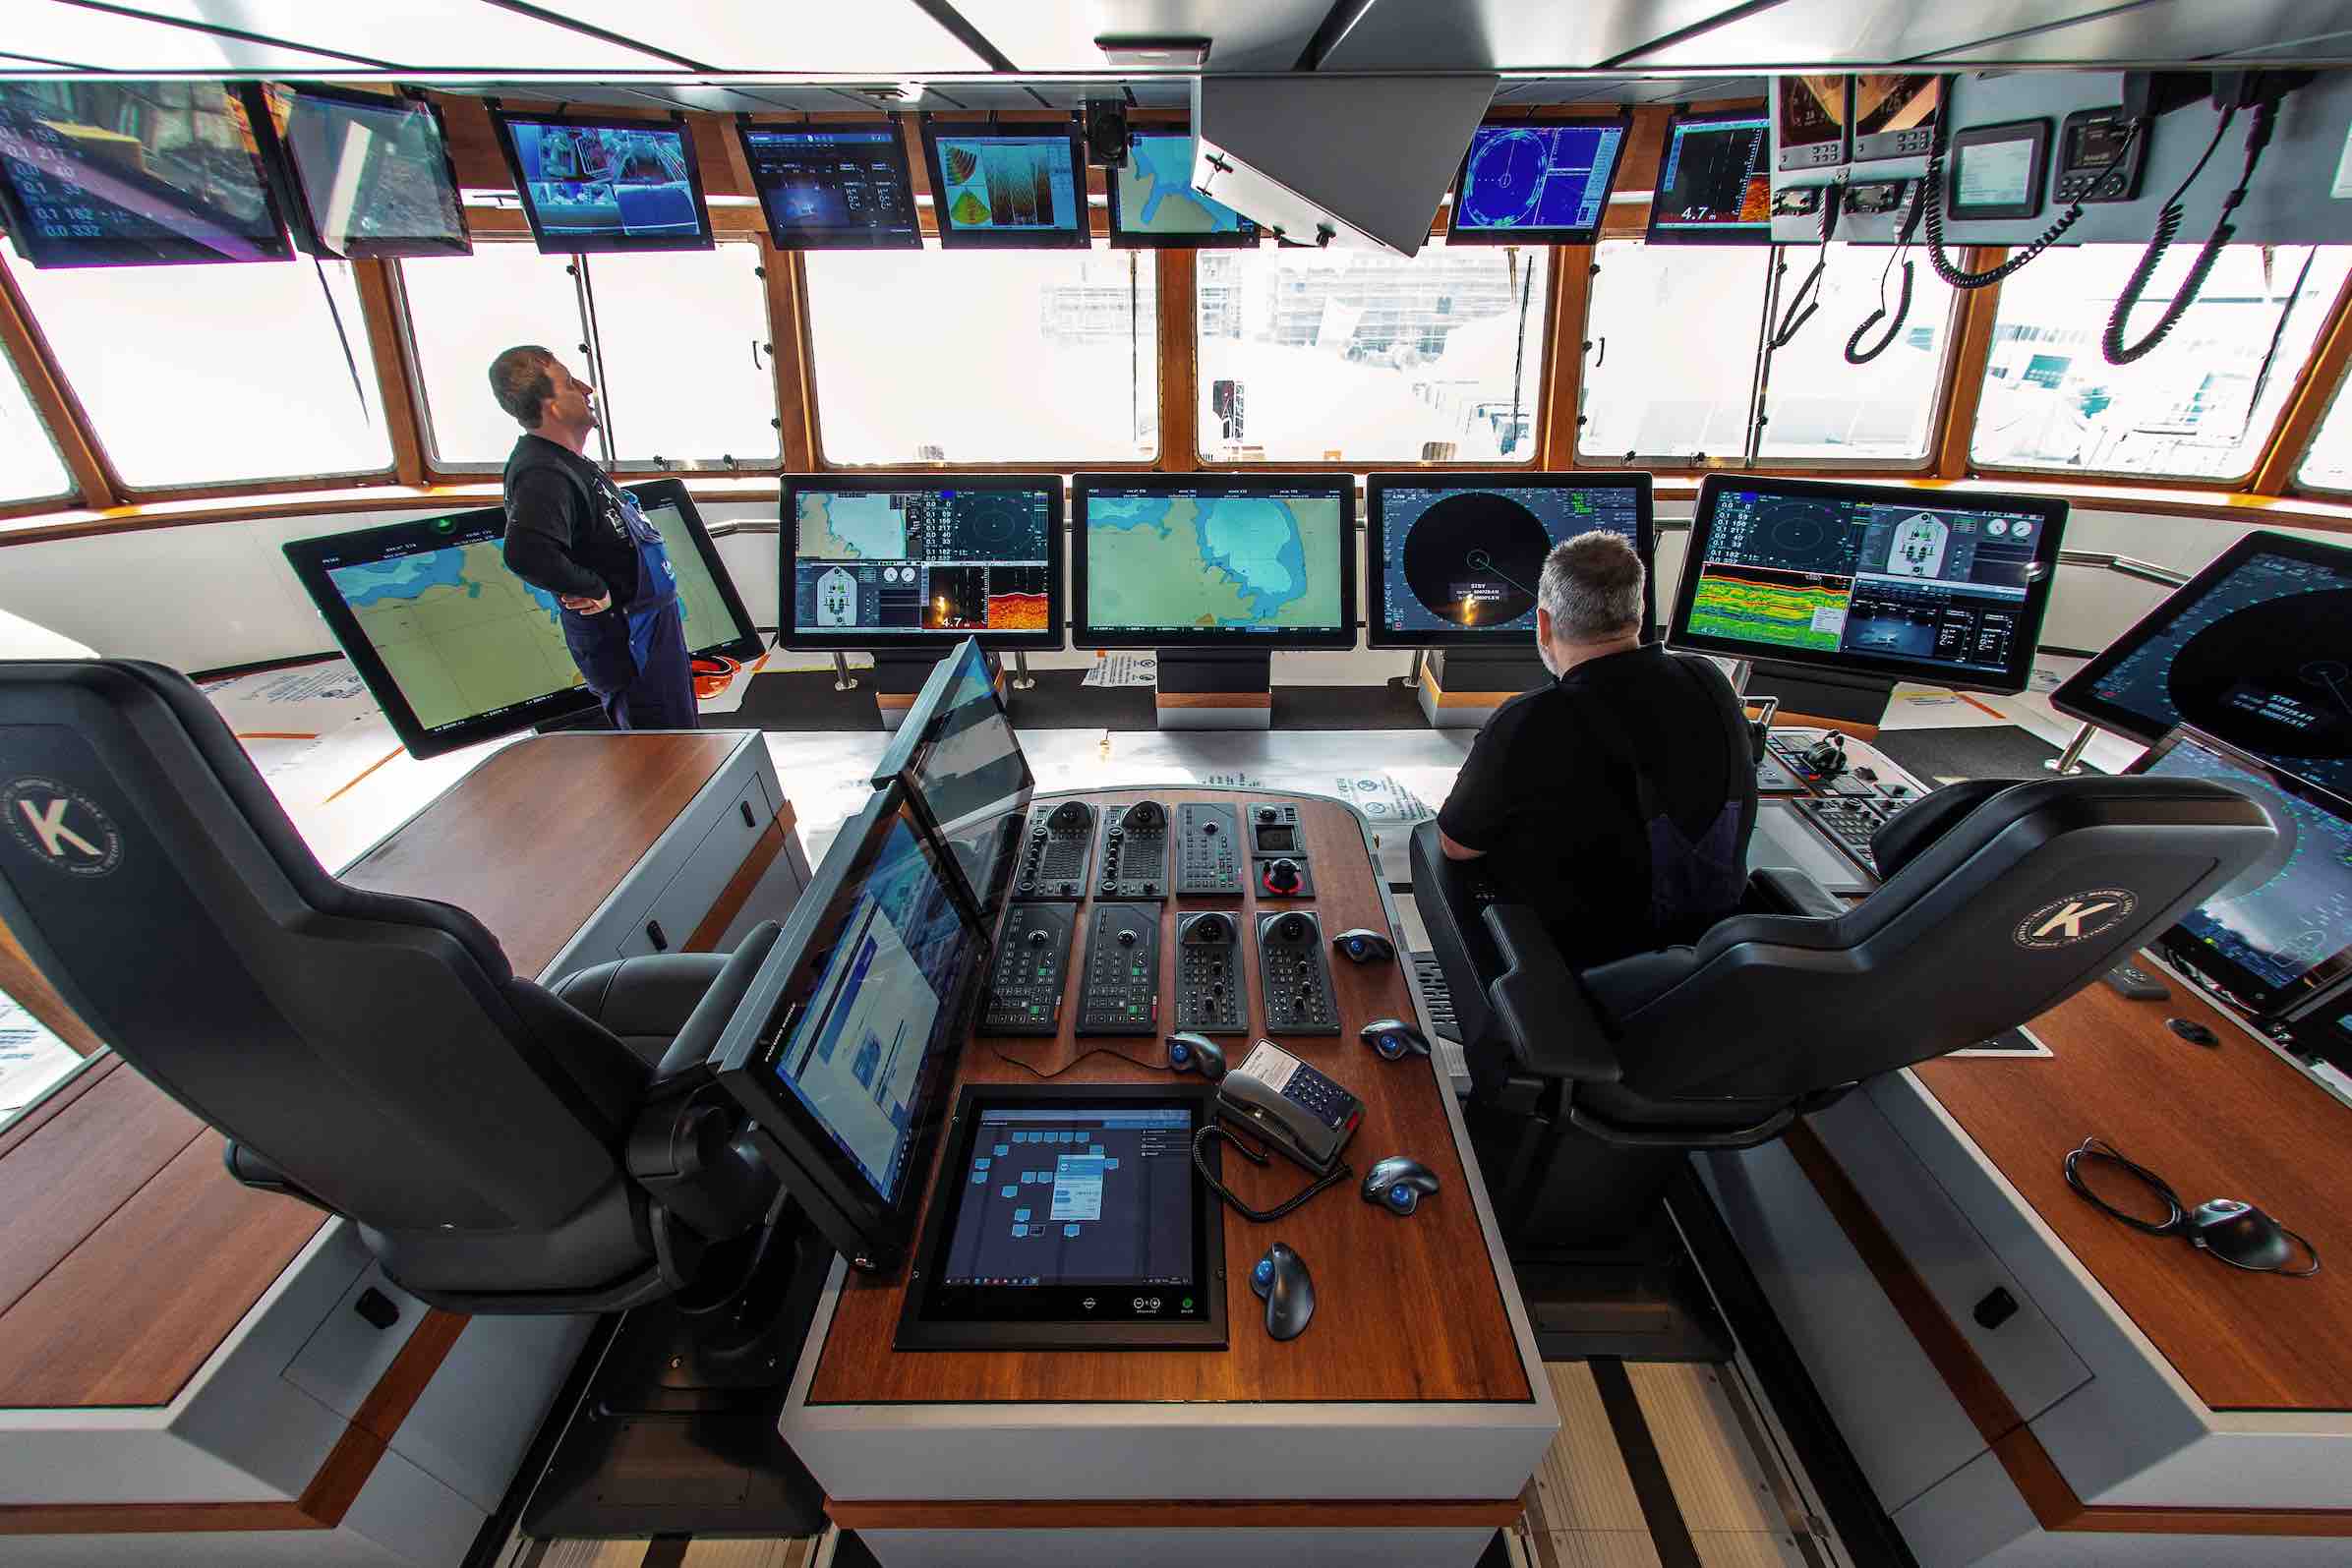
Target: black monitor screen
1153 202
905 562
2253 650
130 173
1263 561
2281 930
1913 584
1457 560
833 187
1714 183
959 760
371 173
606 185
1523 183
1010 187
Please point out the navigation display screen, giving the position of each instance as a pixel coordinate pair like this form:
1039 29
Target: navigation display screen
1008 187
372 176
1523 182
132 173
834 188
1898 582
606 185
2252 651
1714 186
1458 563
1153 202
874 563
958 755
1263 561
2281 930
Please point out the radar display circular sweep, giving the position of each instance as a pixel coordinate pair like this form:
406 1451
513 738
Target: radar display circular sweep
2252 679
1801 537
1503 183
1473 560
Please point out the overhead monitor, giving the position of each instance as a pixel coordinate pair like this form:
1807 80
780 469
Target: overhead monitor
961 762
456 649
1013 186
1154 203
1169 561
1936 586
1533 183
1454 558
1895 115
1715 182
592 185
365 176
134 173
2252 650
2278 934
1810 114
844 1045
833 187
913 563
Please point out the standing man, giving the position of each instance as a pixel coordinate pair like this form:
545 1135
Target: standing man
573 532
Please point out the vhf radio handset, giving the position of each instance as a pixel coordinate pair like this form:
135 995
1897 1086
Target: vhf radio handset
1295 1109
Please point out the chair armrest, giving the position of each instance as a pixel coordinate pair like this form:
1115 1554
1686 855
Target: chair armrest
1785 890
1553 1030
693 1045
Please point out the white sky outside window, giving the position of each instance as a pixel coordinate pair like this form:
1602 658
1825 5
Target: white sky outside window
1820 409
684 339
463 311
1675 331
2327 465
29 467
985 357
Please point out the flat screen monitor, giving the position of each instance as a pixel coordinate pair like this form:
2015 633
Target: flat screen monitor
1895 116
456 649
905 562
1167 561
1524 183
1154 203
1008 187
606 185
1715 183
833 187
847 1039
2279 933
1069 1216
135 173
365 175
1935 586
2252 650
961 765
1454 558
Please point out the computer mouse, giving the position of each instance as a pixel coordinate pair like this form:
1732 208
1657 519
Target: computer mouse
2238 1233
1398 1183
1393 1038
1196 1053
1280 1280
1365 947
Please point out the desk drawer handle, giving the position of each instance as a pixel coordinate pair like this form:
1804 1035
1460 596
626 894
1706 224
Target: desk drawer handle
1997 1307
655 934
750 821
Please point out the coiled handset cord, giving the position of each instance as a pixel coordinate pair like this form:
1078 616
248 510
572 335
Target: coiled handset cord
1855 354
2168 225
2051 236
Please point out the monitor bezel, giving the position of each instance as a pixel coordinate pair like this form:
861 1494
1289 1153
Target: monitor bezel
912 241
2257 996
1537 234
917 1332
294 195
506 120
1246 238
47 253
2042 578
951 238
912 741
748 642
1759 233
871 1230
789 635
2076 697
1376 485
1082 632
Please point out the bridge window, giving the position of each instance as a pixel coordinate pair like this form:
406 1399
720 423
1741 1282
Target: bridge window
30 467
1820 409
1670 370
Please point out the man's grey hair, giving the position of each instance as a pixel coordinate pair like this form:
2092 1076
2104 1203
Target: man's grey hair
1592 585
519 380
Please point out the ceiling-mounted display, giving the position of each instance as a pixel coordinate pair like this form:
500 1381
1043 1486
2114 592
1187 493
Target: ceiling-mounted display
606 185
363 175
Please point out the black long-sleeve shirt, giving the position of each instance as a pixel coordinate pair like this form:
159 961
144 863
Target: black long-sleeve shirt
564 531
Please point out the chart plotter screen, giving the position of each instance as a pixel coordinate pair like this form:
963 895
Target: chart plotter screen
899 563
1263 561
1153 202
1524 181
1458 563
844 187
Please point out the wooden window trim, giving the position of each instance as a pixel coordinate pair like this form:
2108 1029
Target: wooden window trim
94 481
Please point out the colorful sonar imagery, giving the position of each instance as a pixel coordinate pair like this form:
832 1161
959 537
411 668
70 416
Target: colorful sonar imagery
1781 609
1023 184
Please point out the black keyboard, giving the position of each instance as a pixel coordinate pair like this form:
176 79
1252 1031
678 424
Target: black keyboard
1849 822
1428 975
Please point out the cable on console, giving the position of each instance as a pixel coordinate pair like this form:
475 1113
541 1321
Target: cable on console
1101 1050
1200 1141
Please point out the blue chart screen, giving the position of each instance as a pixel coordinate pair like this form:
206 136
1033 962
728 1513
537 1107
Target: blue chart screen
1464 560
1077 1195
2290 912
1537 177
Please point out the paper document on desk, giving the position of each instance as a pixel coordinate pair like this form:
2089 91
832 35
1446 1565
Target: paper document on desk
1123 670
1381 798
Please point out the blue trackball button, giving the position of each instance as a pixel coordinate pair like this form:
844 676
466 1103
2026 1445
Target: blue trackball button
1401 1197
1263 1272
1356 949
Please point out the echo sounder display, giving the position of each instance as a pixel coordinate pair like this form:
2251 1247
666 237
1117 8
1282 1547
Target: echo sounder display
929 561
1713 184
1460 562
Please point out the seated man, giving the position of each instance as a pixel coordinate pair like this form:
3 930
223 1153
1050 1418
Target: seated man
1618 801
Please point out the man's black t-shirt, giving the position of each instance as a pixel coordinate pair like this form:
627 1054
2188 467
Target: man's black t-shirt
564 531
1551 799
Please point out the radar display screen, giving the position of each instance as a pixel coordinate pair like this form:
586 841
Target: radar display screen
833 188
2281 930
1884 581
1009 187
606 185
1153 202
2255 650
884 562
1525 182
369 172
1170 561
1714 187
1457 562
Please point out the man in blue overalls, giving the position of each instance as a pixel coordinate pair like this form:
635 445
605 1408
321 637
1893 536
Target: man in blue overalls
573 532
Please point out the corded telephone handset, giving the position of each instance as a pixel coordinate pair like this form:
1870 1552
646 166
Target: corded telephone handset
1294 1109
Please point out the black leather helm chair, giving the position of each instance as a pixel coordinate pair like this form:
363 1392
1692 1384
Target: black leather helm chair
501 1149
1998 901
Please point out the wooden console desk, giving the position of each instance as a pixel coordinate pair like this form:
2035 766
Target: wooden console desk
1408 1418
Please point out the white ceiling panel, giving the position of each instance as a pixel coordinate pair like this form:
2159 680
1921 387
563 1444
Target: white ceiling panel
1798 33
809 37
1509 34
2166 30
1060 34
423 34
105 41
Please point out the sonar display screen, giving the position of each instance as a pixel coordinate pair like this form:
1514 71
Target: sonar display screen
910 562
1714 186
1459 562
2254 651
1522 182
